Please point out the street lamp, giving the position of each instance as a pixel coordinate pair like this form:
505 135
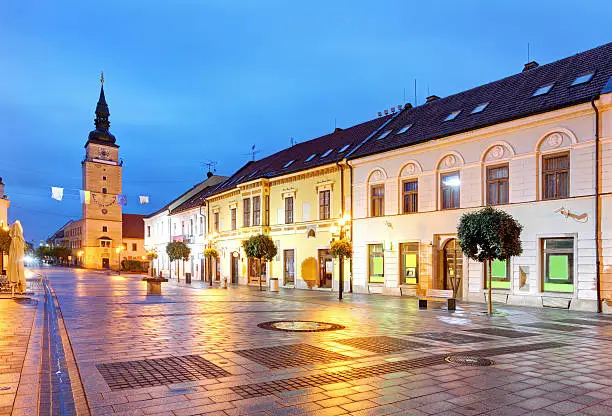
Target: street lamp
209 242
343 224
80 257
118 250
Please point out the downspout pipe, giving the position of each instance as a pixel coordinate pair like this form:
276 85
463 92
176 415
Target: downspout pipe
597 202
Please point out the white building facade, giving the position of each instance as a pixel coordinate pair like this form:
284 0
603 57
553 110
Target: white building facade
540 168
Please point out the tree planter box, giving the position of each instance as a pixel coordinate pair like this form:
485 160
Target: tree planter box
154 284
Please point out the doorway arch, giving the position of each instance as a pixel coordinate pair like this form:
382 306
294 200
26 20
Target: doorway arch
452 267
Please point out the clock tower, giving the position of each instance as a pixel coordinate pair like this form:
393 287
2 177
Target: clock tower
102 214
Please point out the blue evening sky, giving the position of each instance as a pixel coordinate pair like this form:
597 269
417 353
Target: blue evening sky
189 81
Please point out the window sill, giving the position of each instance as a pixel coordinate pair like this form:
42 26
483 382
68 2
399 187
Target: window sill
376 284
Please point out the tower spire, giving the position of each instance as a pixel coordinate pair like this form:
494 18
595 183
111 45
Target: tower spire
101 121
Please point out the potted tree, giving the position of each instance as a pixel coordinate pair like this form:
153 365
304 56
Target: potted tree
260 247
489 234
177 250
211 253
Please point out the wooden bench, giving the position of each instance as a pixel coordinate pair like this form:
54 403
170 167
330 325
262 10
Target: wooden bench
437 295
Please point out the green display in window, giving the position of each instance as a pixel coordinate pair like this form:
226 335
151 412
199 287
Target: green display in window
377 263
498 269
496 284
411 260
558 267
559 287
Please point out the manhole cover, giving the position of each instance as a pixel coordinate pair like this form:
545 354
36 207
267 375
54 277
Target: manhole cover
470 360
300 326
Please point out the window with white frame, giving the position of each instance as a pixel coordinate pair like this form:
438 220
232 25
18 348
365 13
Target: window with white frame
557 256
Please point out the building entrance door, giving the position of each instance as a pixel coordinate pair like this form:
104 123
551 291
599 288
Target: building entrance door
106 264
234 269
326 269
289 267
453 267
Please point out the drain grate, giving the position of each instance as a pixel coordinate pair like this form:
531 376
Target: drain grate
585 322
470 360
158 371
300 326
451 337
291 356
503 332
555 327
247 391
381 344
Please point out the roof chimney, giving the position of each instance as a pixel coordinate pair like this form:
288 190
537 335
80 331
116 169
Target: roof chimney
407 106
337 129
380 114
530 65
432 98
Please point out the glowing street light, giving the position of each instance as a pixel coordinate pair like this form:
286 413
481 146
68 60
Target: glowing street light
343 224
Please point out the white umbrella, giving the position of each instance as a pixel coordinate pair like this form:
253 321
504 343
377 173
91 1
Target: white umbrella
15 270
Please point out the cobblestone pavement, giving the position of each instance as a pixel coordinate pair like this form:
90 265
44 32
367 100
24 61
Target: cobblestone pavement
196 350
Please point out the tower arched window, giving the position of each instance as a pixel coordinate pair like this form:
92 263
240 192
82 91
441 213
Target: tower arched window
104 190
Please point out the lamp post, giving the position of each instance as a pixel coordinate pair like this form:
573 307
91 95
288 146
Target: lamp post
80 257
118 250
209 241
341 227
6 229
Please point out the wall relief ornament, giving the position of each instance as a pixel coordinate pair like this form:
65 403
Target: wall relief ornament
497 152
409 169
449 161
377 176
554 140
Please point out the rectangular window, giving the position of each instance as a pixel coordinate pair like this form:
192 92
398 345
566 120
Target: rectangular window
409 260
377 200
246 212
289 210
124 246
500 274
450 185
201 225
267 210
105 229
256 210
558 268
497 185
377 263
190 227
324 207
410 193
555 176
134 247
148 230
216 221
233 218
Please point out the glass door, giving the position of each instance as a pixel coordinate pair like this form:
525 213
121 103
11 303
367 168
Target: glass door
289 267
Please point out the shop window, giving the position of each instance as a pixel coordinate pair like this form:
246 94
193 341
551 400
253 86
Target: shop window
376 263
409 261
500 274
558 265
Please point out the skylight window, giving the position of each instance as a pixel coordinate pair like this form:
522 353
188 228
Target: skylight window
404 129
480 108
583 79
346 146
253 174
452 115
543 90
326 153
385 134
309 158
288 164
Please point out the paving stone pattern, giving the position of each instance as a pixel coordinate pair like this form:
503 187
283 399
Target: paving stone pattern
585 322
381 344
451 337
554 327
110 319
503 332
159 371
291 356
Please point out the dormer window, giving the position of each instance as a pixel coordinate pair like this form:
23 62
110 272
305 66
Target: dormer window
480 108
583 79
452 115
543 90
385 134
404 129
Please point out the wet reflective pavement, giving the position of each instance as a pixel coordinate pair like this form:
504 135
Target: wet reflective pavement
196 350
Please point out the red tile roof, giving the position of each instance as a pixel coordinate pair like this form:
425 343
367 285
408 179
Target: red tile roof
133 226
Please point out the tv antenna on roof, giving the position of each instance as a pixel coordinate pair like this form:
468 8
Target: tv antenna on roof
211 165
253 152
293 141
